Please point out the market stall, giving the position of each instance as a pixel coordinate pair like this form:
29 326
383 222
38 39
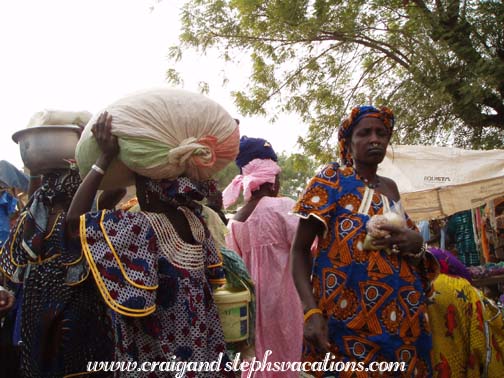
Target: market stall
438 182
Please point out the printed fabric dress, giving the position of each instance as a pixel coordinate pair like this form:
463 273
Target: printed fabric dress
64 323
158 286
264 241
374 302
467 330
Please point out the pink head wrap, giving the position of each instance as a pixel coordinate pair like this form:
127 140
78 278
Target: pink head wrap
255 173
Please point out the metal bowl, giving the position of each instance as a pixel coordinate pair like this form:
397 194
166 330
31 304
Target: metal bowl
45 148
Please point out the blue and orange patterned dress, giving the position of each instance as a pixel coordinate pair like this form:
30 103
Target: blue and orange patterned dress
375 303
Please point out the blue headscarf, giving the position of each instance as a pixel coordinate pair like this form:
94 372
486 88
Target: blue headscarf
254 148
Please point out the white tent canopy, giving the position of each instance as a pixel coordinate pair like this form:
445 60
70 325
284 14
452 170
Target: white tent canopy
439 181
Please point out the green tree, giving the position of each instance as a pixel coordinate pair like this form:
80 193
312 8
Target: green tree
297 170
438 64
225 176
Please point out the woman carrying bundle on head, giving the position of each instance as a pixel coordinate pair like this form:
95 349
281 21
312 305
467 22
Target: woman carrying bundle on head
155 268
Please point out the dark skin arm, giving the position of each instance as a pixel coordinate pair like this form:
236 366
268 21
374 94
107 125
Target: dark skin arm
315 328
83 199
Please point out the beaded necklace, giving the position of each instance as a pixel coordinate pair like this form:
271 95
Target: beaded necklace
178 252
370 185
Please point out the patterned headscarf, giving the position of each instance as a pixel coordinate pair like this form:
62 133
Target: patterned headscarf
254 148
356 115
58 186
181 191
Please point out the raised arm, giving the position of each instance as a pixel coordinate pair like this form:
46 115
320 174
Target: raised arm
83 199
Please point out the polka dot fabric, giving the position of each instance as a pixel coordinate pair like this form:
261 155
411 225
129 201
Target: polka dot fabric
163 311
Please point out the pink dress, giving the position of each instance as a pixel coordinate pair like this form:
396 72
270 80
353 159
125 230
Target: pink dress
264 241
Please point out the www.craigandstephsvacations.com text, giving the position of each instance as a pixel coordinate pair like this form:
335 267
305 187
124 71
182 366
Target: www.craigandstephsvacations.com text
328 364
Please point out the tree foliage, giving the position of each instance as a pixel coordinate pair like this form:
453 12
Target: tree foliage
297 170
225 176
438 64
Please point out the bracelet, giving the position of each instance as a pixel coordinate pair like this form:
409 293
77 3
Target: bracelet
312 312
95 168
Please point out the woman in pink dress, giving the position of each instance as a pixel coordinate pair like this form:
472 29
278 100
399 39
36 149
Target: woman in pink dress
261 232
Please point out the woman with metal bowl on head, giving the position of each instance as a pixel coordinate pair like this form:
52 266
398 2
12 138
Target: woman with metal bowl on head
61 325
364 289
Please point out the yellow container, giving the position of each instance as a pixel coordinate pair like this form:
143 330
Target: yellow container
233 312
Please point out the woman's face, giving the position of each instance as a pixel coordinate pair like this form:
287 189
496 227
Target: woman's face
369 141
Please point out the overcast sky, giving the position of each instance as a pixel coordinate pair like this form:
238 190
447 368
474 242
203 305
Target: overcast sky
85 54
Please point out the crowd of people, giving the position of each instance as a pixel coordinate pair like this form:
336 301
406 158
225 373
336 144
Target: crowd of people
89 282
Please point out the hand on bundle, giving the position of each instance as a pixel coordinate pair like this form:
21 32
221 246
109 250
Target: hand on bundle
389 232
399 240
102 131
375 232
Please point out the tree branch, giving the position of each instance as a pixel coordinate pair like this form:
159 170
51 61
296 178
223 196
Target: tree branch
296 73
374 45
361 78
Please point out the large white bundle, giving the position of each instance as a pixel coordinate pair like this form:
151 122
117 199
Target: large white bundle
164 133
59 117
